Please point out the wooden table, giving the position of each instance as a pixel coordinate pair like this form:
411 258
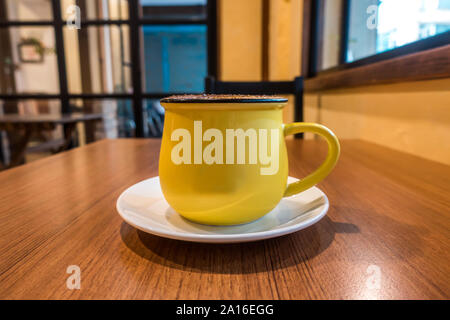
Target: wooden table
389 219
30 124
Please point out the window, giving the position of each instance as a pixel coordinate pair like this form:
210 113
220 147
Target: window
175 45
393 23
360 42
126 56
175 58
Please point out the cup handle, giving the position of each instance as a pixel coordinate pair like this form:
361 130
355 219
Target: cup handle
326 167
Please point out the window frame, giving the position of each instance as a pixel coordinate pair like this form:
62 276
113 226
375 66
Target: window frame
135 21
420 60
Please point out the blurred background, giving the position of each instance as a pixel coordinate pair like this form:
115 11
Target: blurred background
76 71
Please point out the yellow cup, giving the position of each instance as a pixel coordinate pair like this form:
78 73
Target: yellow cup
223 159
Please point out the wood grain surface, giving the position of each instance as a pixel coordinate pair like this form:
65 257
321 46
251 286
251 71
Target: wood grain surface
389 212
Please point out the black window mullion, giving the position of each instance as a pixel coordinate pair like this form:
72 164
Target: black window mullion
7 24
136 73
146 21
212 47
344 31
101 23
59 43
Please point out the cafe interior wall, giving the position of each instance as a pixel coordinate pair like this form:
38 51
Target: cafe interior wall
240 56
28 76
412 117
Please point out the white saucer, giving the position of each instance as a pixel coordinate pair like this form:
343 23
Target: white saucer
144 207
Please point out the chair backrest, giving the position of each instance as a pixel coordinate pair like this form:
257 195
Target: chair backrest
294 87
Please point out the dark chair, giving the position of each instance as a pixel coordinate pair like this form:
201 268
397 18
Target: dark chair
294 87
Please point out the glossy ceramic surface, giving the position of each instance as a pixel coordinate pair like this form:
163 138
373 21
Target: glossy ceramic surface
229 194
144 207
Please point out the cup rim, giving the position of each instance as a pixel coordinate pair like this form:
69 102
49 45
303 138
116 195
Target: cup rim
222 98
